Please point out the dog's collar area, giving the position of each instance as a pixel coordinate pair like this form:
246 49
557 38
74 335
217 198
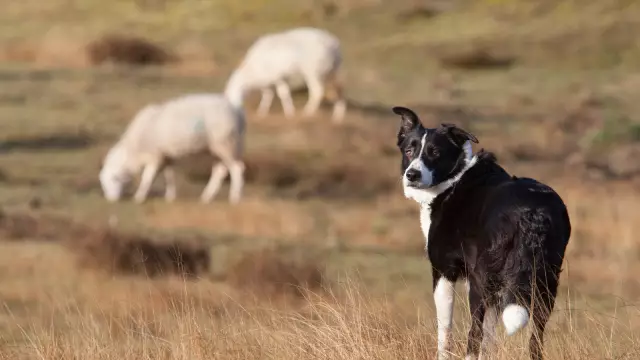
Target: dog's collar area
425 194
444 186
469 160
420 186
440 188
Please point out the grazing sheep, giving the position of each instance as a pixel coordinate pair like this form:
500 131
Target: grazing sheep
277 60
161 133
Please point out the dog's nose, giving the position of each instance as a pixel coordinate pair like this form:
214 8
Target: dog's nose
413 175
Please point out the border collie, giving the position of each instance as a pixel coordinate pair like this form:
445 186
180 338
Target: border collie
505 235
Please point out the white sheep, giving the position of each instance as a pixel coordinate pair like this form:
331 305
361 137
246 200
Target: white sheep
161 133
278 60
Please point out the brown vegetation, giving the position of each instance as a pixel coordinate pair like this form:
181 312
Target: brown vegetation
51 141
420 11
59 48
107 249
337 179
124 49
138 255
477 58
269 273
22 226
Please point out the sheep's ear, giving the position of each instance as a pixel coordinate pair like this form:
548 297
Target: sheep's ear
457 135
409 121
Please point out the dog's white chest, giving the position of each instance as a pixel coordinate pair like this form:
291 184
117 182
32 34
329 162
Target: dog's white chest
425 223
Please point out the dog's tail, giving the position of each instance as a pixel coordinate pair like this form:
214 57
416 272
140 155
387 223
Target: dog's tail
533 294
514 318
515 301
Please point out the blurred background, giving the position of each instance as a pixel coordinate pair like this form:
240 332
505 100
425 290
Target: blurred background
323 257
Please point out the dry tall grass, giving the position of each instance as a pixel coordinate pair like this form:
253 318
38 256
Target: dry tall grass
179 321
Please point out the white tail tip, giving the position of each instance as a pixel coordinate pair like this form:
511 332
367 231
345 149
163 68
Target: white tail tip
514 317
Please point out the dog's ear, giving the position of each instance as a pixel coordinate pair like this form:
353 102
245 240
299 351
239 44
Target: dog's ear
409 121
457 135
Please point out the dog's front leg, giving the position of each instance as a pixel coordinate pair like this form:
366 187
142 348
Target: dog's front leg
443 296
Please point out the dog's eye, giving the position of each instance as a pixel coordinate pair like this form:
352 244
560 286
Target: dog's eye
432 152
409 152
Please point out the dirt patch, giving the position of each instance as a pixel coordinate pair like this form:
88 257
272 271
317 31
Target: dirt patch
54 141
131 50
476 58
420 11
267 272
60 47
107 249
133 254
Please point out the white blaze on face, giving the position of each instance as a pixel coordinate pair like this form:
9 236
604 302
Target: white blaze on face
417 162
411 192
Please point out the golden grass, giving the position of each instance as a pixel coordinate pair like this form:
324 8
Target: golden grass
329 195
175 320
52 311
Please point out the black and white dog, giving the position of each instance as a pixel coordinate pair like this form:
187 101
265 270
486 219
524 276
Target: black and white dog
505 235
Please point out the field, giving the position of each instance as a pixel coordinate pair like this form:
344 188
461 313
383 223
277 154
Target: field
323 258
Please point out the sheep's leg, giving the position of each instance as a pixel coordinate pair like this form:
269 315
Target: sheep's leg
315 87
170 183
265 102
335 94
339 110
339 106
148 174
285 98
236 171
218 173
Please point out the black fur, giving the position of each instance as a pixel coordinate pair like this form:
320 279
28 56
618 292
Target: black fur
506 235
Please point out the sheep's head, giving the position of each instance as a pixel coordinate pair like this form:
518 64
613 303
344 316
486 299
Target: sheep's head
236 88
114 175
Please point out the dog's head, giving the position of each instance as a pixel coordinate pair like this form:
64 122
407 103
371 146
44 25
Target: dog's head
432 159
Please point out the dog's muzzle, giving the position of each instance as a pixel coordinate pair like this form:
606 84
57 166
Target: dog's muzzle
413 175
417 179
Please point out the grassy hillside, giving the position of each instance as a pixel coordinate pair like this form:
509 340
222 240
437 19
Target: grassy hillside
550 86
